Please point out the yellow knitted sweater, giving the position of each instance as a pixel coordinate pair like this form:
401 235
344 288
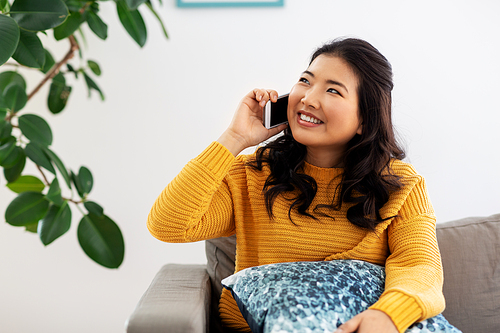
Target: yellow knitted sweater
217 195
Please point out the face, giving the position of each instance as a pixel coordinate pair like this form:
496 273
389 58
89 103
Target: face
323 108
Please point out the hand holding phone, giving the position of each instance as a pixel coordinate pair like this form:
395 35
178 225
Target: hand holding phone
275 114
247 126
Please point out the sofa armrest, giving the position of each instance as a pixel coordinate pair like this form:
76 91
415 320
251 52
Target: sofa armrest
178 300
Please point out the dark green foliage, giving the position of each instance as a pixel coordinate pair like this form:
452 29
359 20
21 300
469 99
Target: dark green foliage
41 205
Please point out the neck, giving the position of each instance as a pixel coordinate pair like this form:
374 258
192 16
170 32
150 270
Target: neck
324 158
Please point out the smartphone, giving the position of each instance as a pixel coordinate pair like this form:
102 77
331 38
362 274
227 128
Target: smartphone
276 113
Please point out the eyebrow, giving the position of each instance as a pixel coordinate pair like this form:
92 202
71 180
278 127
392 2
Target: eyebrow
328 81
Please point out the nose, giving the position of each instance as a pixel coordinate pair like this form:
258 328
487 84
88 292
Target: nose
310 99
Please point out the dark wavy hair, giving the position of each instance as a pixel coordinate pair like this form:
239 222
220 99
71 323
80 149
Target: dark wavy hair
367 179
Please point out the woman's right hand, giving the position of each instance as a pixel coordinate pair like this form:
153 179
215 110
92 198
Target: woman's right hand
246 129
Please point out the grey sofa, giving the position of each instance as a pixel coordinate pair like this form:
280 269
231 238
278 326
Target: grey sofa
183 298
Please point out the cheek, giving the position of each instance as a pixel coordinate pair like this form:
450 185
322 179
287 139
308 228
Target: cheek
294 97
293 100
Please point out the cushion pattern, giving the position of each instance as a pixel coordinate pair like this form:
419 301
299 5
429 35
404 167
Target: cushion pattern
312 296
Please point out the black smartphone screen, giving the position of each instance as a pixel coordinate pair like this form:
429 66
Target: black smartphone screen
279 111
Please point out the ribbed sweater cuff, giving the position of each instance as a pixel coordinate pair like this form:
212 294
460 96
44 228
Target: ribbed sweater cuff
216 158
402 309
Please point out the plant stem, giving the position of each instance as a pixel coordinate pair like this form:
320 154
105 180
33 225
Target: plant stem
75 202
55 69
81 211
43 175
84 8
11 64
48 184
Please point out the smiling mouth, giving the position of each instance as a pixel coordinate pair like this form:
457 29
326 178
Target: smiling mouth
309 119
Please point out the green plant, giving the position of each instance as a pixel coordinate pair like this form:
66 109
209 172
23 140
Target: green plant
41 206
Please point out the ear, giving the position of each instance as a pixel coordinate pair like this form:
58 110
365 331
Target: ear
360 129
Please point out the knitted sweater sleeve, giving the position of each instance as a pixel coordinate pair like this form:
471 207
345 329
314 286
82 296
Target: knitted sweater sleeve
414 275
197 204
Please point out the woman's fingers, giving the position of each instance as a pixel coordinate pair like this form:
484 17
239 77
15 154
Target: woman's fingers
275 130
273 95
264 95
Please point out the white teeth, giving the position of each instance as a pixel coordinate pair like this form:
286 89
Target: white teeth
309 119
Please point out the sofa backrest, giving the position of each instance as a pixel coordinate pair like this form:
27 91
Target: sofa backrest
470 251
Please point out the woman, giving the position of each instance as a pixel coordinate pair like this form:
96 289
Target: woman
332 187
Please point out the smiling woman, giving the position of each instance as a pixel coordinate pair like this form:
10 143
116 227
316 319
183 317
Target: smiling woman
323 115
332 187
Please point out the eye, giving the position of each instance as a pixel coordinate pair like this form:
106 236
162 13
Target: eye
304 80
333 91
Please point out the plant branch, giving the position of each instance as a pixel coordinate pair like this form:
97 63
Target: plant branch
55 69
84 8
43 175
73 201
48 184
81 211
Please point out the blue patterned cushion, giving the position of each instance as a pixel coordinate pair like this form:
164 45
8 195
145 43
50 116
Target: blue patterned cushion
312 296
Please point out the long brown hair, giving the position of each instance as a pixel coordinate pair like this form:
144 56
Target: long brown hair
367 180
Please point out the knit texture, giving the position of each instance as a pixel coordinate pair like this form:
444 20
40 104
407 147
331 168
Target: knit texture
218 195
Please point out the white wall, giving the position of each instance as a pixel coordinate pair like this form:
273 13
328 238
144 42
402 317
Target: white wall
168 101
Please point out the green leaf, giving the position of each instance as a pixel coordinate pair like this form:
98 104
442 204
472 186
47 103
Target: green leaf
71 69
8 77
37 15
13 173
5 130
102 240
92 85
150 6
97 26
85 180
54 195
13 158
6 149
94 66
69 26
25 184
58 94
30 51
3 6
49 62
133 4
76 182
36 154
75 5
32 228
10 38
132 22
36 129
59 164
94 208
55 224
14 97
27 208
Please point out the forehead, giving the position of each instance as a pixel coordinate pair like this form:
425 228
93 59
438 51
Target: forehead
327 67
